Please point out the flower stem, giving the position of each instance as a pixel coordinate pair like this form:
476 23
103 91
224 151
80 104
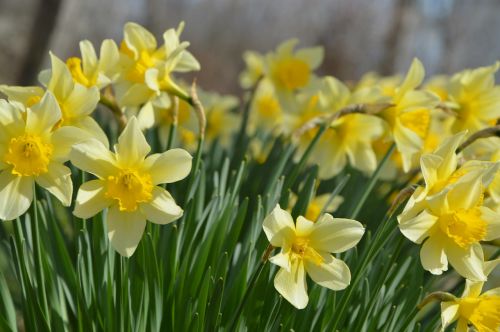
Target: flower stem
115 109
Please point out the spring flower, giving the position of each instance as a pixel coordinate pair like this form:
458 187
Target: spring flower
477 98
127 184
291 70
222 123
266 111
76 102
305 249
409 117
32 152
318 203
91 71
146 69
474 308
453 224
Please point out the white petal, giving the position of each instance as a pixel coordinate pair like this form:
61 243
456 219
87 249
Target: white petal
132 146
125 230
42 117
93 157
16 195
58 182
417 229
170 166
91 199
332 273
335 234
292 285
162 209
467 262
433 257
449 313
279 227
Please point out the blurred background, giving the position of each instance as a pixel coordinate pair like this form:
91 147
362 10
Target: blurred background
358 35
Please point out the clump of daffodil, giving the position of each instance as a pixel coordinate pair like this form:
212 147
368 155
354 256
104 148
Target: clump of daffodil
76 101
341 140
127 185
453 224
409 116
146 69
31 151
89 70
474 308
476 97
290 70
306 248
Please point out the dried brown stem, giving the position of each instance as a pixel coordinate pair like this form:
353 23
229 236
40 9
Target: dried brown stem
485 133
198 107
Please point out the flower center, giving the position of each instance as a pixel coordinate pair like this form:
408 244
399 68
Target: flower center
28 155
292 73
129 188
268 107
417 121
75 67
482 312
313 211
301 248
136 72
464 227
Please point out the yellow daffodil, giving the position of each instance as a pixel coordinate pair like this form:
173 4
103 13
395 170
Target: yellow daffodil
318 203
305 249
266 111
290 70
342 141
32 152
477 98
476 309
254 69
92 71
76 102
453 224
127 184
146 69
222 123
409 117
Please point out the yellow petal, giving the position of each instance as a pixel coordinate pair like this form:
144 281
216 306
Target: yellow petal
170 166
417 229
91 199
292 285
132 146
304 227
16 195
467 262
42 117
11 121
138 38
335 235
125 230
433 257
449 313
92 129
81 102
279 227
492 219
93 157
22 94
61 82
63 140
58 182
429 164
332 273
162 209
413 78
283 260
89 57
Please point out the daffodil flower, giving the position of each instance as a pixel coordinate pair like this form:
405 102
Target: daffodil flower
409 117
32 152
452 227
474 308
305 249
91 71
127 185
477 98
254 70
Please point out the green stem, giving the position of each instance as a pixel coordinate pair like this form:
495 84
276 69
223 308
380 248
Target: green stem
372 182
171 136
37 252
115 109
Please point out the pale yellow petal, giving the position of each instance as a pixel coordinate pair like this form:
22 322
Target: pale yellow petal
414 77
429 164
162 209
170 166
22 94
467 262
335 235
61 82
125 230
89 57
282 259
58 182
63 140
81 102
279 227
16 195
313 56
449 313
466 193
92 129
492 219
433 257
91 199
11 121
138 38
132 146
304 227
332 273
42 117
93 157
417 229
292 285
